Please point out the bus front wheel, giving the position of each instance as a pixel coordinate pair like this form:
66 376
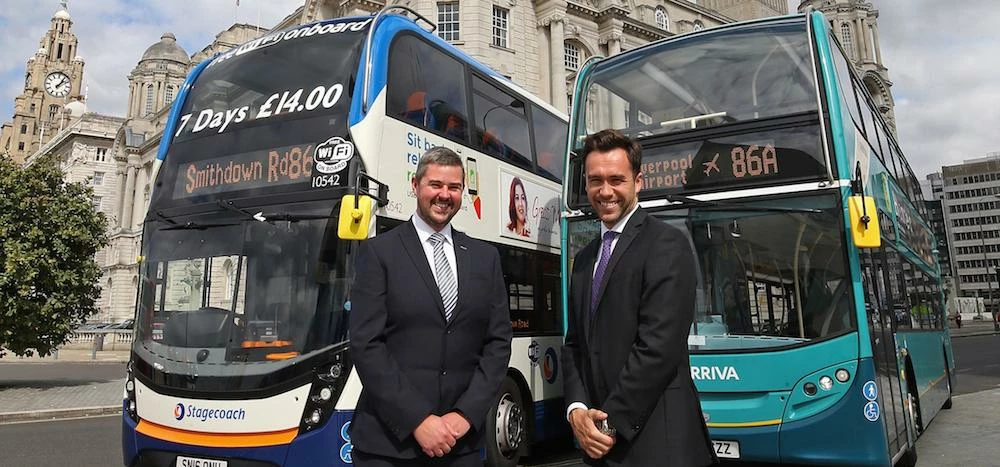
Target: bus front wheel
505 427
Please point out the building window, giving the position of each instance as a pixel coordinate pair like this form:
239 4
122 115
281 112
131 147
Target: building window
98 179
698 25
53 111
845 36
20 146
571 56
662 21
24 128
170 95
32 109
149 99
96 202
102 155
448 20
500 16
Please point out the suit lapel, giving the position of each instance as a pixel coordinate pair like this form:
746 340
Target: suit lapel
413 248
628 234
463 264
585 279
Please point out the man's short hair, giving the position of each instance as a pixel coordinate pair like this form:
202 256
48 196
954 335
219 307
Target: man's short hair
606 140
439 155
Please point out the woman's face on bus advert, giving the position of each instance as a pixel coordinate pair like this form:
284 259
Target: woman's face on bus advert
439 194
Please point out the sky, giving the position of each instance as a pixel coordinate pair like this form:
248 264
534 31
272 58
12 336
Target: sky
938 56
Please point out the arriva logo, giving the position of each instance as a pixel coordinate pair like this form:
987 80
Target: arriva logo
714 373
179 411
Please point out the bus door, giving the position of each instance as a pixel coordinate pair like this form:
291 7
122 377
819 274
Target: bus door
879 307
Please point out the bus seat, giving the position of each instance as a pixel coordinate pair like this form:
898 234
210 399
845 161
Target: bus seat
417 110
491 144
455 126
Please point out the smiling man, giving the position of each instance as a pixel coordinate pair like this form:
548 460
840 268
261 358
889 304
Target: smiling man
430 331
627 375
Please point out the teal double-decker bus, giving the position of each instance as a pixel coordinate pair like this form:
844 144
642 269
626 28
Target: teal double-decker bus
819 335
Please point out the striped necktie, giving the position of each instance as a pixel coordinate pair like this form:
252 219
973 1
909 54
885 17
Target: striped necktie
444 276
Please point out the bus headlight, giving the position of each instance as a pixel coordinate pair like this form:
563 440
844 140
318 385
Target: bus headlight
826 383
328 383
842 375
314 418
809 389
130 407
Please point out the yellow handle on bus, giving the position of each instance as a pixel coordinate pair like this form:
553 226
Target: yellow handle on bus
354 221
864 222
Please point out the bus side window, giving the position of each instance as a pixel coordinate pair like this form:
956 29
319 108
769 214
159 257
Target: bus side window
427 87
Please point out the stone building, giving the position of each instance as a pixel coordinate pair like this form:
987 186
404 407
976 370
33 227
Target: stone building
855 22
53 78
971 211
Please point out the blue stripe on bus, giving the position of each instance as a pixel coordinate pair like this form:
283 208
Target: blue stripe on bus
175 110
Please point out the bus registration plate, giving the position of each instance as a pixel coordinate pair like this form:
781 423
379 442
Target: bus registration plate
723 449
196 462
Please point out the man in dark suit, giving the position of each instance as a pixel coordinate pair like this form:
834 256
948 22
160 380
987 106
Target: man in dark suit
431 346
627 376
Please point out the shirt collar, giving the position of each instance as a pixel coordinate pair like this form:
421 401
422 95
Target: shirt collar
620 226
424 231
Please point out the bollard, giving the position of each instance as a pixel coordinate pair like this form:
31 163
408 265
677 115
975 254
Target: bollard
98 345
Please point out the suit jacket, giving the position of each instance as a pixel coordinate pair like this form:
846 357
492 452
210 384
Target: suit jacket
629 358
413 363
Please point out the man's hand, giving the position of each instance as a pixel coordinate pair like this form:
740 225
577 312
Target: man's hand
593 442
457 423
434 436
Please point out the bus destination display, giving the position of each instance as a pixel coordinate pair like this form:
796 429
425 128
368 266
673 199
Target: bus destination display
750 159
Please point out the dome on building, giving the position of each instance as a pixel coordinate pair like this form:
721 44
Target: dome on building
41 51
76 109
78 59
166 49
61 14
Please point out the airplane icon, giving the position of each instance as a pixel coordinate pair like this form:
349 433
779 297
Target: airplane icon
712 164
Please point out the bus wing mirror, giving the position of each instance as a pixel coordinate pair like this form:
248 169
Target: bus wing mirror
355 217
864 228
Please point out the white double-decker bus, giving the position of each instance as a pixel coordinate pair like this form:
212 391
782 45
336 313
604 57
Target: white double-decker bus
271 150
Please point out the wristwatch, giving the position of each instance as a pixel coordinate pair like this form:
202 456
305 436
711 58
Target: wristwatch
605 428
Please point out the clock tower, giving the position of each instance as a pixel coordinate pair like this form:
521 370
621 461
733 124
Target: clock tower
53 78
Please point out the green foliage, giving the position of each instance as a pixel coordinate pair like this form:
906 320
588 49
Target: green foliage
49 232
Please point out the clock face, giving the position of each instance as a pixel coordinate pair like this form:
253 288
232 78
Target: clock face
57 84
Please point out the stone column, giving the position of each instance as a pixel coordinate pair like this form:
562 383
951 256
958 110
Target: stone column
557 74
132 166
139 200
616 108
121 173
878 48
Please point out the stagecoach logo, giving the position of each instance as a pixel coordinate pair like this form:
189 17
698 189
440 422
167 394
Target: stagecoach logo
332 155
550 366
179 411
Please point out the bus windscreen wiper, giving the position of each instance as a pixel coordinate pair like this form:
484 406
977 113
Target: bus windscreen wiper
728 205
261 216
174 225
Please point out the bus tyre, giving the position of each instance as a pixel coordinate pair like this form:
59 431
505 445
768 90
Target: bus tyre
947 374
505 427
909 458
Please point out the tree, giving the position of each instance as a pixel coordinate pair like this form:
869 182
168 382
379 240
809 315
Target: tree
49 232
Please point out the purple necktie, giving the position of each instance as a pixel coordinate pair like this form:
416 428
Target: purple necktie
602 264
